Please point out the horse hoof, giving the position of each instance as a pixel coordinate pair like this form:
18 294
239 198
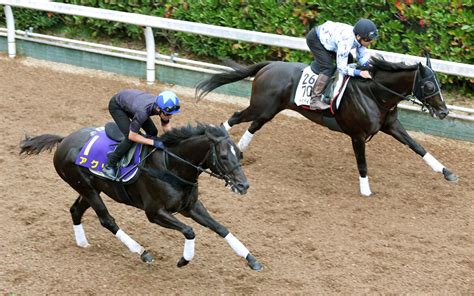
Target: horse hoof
182 262
146 257
448 175
256 265
253 263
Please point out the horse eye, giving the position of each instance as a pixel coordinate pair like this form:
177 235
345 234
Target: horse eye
430 86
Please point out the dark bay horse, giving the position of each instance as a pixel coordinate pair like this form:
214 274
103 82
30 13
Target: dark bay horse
367 106
167 184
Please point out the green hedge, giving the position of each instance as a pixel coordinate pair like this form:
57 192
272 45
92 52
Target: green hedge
442 27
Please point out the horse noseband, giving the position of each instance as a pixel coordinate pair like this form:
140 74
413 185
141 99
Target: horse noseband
221 171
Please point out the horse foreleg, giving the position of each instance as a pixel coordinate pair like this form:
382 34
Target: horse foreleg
358 145
199 214
77 211
167 220
397 131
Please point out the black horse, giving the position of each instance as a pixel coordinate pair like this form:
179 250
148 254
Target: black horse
166 185
367 106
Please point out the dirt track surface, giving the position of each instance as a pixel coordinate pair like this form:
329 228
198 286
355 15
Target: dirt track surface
303 217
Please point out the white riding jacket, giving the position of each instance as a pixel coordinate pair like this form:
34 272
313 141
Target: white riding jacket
340 38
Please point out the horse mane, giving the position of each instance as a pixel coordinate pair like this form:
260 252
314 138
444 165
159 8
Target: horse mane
179 134
379 63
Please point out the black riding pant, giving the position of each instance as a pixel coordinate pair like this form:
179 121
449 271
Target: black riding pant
123 119
324 60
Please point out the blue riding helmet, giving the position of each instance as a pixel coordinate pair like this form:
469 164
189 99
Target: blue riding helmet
366 29
168 102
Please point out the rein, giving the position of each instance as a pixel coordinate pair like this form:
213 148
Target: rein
197 167
417 90
222 175
410 98
135 165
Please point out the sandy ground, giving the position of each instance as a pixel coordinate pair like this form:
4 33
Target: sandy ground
303 217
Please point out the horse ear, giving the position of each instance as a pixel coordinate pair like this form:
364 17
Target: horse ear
221 127
210 135
428 62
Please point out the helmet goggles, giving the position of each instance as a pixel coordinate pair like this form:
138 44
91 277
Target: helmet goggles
168 103
171 110
371 36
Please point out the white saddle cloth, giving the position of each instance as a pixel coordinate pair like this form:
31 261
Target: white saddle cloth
305 86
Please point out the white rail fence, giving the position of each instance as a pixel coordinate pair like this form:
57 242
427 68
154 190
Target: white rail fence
152 58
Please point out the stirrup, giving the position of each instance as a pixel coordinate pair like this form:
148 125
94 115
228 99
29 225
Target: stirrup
318 105
110 172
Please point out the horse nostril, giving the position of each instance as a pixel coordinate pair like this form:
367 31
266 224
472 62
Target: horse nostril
244 186
443 114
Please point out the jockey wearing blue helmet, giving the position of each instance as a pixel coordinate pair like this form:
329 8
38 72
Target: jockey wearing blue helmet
332 42
168 102
131 110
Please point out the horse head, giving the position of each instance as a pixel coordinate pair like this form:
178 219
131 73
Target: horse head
224 160
427 90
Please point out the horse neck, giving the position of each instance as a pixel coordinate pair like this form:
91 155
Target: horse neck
195 151
399 82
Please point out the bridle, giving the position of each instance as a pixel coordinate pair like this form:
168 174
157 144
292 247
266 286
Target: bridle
211 154
417 95
216 162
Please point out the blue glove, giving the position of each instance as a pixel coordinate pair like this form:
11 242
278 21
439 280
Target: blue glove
158 144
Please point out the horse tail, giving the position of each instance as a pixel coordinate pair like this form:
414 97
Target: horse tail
237 73
36 145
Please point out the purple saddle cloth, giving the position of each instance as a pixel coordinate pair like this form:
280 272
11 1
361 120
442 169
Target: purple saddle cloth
93 155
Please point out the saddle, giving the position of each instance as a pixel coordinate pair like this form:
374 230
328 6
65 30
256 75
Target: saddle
331 95
113 132
93 154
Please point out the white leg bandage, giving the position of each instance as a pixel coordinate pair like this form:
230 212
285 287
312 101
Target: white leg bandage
129 242
433 163
236 245
364 186
80 235
245 140
188 252
226 126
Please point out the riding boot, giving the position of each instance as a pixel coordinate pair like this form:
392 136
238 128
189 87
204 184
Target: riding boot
110 169
317 92
111 166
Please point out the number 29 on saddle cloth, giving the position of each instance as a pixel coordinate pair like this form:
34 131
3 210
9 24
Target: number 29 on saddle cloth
93 155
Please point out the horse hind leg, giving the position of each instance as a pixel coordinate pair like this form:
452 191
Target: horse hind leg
258 119
93 199
237 118
247 137
77 211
